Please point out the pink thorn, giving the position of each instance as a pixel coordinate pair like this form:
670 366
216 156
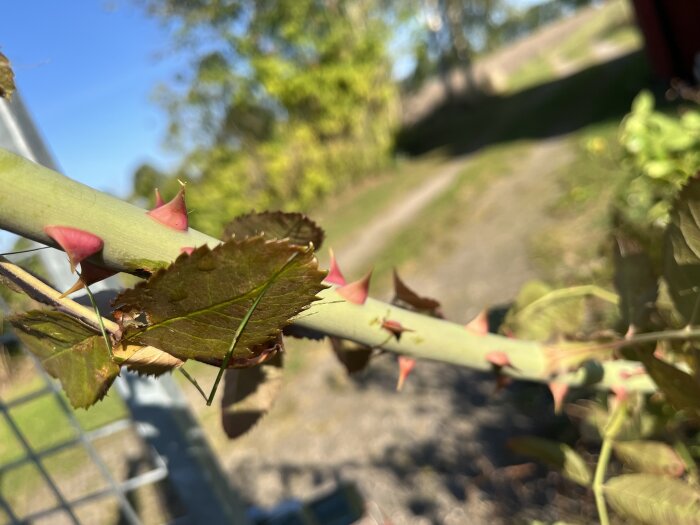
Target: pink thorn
480 324
159 200
335 276
356 292
395 328
499 359
631 332
187 249
172 214
78 244
406 365
559 391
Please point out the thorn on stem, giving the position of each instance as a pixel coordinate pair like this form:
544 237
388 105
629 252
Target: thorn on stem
335 276
78 244
395 328
406 365
174 213
480 324
357 291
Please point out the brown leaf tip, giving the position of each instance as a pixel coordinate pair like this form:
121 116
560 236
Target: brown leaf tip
78 244
356 292
172 214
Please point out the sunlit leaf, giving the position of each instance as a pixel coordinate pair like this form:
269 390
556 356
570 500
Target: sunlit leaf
575 311
145 360
557 455
249 394
192 309
69 351
653 500
652 457
296 227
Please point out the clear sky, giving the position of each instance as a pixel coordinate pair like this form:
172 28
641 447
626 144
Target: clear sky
86 70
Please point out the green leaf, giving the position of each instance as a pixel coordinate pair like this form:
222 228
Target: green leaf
653 499
7 78
296 227
680 388
557 455
682 251
635 281
69 351
652 457
249 394
575 311
192 309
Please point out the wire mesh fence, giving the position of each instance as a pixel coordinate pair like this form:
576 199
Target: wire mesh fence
61 466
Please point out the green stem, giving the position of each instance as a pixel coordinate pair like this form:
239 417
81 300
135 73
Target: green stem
100 321
599 478
34 197
194 382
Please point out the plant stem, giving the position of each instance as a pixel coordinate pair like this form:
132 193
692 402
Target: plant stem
43 293
34 197
193 381
100 321
599 478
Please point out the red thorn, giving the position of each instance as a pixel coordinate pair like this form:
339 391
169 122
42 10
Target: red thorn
406 365
159 200
559 391
499 359
395 328
89 274
174 213
187 249
356 292
335 276
78 244
480 324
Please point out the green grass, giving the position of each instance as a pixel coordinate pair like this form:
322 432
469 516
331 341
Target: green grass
44 424
346 213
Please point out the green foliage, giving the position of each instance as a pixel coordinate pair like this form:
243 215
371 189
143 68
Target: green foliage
558 455
661 152
69 351
192 309
7 78
294 99
651 457
653 499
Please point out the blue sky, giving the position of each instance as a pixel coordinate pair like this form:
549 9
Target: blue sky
86 71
